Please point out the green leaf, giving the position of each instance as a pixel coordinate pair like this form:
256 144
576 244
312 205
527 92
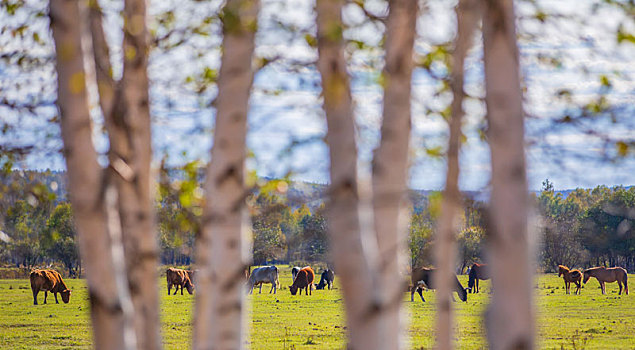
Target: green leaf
604 80
541 16
624 36
310 40
435 152
334 31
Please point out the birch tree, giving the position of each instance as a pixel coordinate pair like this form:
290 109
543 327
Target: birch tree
467 18
222 253
131 150
390 167
509 316
372 317
347 238
129 221
110 304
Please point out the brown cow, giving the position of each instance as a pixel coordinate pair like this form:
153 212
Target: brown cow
190 274
304 279
49 281
179 278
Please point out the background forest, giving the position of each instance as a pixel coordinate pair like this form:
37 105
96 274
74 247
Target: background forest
581 227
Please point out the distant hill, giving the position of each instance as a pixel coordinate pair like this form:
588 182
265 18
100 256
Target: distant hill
299 192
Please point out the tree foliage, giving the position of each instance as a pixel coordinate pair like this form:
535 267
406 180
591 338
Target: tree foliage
587 227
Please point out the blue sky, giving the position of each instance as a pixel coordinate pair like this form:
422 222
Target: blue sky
285 105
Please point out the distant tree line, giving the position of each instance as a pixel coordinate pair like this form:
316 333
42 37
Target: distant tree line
36 220
580 228
587 227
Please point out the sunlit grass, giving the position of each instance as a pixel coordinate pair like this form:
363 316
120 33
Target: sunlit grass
317 322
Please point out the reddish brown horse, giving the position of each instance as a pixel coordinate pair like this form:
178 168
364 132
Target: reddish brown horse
604 275
477 272
569 276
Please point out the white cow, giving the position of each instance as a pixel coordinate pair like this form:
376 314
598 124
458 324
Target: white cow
294 272
265 274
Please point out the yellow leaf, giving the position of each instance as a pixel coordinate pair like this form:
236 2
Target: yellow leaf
130 53
622 148
76 84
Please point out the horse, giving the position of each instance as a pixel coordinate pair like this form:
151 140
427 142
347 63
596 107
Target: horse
477 272
610 275
423 276
569 276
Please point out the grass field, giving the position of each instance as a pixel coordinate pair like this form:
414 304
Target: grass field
590 320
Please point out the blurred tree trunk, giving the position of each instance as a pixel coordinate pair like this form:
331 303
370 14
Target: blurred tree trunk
509 316
124 194
103 67
390 167
125 106
131 155
347 238
467 18
110 304
222 248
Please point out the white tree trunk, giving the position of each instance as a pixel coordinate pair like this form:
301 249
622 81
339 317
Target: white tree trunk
87 184
509 317
131 157
467 18
390 167
347 239
222 248
103 67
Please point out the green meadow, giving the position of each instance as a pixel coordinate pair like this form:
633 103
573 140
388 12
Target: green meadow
282 321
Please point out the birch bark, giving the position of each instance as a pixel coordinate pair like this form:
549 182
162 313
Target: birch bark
347 238
467 19
390 167
101 56
87 184
131 157
222 248
125 107
509 316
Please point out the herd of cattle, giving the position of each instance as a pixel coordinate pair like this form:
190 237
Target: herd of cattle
303 279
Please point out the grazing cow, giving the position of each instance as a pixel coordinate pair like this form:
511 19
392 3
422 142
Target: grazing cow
265 274
190 274
304 279
179 278
294 272
49 281
326 279
477 272
422 277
